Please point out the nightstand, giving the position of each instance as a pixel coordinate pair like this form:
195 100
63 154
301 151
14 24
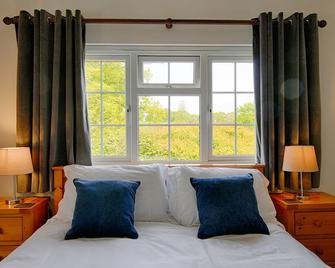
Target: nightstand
311 222
18 224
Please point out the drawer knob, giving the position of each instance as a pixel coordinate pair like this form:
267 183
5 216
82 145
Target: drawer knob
319 251
317 223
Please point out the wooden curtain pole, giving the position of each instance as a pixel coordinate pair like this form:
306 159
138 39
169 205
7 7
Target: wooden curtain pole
168 22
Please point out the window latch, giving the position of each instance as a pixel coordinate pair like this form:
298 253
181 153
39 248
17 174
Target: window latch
128 108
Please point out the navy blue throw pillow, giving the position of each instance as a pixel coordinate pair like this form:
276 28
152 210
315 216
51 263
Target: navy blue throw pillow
227 205
104 209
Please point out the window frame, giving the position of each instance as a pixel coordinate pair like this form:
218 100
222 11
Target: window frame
134 89
166 58
107 58
234 157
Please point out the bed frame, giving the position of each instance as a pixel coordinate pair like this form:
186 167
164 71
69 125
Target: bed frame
60 179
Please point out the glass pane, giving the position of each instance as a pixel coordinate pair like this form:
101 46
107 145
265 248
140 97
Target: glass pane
223 108
94 108
223 76
245 139
245 110
184 109
95 133
153 143
92 75
115 141
155 72
114 106
181 72
153 109
244 76
114 76
185 143
223 140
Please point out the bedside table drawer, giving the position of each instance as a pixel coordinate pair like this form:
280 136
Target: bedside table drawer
324 248
5 251
310 223
10 229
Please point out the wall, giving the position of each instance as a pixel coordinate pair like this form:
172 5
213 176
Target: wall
211 9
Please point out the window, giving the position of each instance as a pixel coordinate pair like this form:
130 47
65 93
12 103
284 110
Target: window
106 96
168 71
182 104
233 108
169 128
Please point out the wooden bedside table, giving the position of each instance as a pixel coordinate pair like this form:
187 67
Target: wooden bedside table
18 224
311 222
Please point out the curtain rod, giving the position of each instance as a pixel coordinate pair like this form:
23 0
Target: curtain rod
168 22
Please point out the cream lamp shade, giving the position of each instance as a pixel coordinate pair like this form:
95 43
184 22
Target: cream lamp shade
300 158
15 161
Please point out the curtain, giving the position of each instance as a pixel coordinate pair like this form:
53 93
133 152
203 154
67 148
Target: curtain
51 101
287 93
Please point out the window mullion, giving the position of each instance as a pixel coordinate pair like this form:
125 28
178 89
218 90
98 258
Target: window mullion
101 114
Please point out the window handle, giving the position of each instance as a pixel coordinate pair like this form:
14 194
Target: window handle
128 108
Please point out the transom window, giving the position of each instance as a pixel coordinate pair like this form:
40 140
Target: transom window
165 71
182 105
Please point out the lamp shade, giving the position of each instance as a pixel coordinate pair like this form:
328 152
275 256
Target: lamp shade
300 158
15 161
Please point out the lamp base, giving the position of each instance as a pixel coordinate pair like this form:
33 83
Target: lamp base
11 202
302 197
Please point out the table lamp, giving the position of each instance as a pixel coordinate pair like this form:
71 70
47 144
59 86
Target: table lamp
300 158
15 161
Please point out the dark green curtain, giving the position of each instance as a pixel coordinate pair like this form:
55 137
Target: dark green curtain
287 92
51 102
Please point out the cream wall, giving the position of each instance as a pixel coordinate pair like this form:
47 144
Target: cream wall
211 9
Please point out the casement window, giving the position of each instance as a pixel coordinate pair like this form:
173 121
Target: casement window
163 104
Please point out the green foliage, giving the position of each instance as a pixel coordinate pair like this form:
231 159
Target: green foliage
154 140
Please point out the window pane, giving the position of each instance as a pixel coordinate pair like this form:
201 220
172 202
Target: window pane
223 109
185 143
181 72
245 140
93 75
184 109
223 76
153 110
153 143
95 133
245 110
114 76
244 76
115 141
223 140
94 108
114 108
155 72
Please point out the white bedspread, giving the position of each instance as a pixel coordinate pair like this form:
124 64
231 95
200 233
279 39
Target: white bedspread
160 245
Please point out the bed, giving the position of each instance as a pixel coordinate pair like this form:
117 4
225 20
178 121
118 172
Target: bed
160 244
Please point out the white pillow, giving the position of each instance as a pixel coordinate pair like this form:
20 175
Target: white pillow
150 202
182 197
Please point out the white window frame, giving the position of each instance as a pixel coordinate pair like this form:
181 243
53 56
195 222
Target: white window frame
126 59
136 89
196 71
234 157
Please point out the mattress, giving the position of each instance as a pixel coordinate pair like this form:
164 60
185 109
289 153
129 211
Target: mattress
160 245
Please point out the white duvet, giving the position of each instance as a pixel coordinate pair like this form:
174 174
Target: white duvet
160 245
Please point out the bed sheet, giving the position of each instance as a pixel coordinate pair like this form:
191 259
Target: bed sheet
162 245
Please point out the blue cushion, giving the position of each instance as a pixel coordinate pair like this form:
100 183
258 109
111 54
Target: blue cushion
104 209
227 205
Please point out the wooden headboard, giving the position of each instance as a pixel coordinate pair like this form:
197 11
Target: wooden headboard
60 179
